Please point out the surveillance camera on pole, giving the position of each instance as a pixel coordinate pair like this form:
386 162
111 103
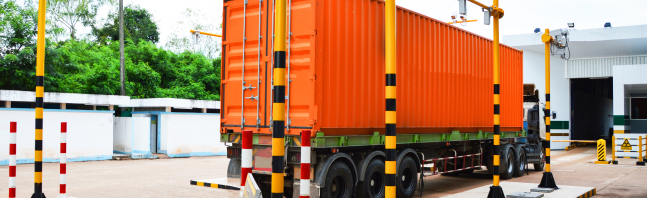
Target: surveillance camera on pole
462 7
487 14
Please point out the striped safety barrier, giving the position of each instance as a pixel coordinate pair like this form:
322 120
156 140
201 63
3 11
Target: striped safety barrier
304 191
602 152
12 160
629 148
211 185
246 157
588 194
63 162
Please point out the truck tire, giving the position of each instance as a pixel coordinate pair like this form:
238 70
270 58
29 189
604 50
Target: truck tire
540 166
406 178
339 182
520 165
507 162
373 184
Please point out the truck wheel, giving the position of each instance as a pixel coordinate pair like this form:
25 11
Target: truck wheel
507 162
373 184
540 166
406 178
339 182
521 159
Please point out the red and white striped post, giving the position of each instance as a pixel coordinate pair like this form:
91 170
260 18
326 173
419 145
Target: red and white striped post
246 158
62 193
12 160
305 165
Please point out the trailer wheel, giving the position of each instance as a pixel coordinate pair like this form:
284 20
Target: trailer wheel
540 166
520 152
406 178
339 182
507 165
373 184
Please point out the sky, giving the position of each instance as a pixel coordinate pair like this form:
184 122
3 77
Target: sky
521 16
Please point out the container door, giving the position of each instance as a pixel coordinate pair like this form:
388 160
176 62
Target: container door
245 65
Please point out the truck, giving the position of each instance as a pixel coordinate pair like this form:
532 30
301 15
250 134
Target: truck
335 91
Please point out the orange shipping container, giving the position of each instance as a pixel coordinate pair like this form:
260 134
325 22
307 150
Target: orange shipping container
336 71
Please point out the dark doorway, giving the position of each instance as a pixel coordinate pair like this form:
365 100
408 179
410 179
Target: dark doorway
591 108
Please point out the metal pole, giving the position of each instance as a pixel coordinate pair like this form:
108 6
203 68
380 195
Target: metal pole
40 89
304 191
12 160
278 106
495 190
122 70
613 150
390 95
63 161
640 161
547 181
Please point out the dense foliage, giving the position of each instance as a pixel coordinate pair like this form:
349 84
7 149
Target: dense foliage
138 25
85 66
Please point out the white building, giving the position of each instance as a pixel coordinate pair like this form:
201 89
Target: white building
600 90
176 127
89 125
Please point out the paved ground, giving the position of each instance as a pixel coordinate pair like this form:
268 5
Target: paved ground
170 177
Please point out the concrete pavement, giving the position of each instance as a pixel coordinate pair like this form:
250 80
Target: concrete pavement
170 177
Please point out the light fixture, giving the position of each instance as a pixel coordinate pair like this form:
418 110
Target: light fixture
607 25
537 30
571 25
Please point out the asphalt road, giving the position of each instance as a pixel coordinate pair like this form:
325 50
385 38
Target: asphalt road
170 177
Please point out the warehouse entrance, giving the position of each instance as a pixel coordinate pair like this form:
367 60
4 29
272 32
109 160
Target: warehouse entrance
591 108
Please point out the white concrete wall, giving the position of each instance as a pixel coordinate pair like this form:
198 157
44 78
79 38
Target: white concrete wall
131 135
122 135
191 134
534 73
142 134
625 75
89 135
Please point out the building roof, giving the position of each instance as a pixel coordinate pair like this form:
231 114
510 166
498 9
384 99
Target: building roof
106 100
589 43
72 98
175 103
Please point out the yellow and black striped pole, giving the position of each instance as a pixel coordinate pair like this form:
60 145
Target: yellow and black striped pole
547 180
390 115
278 114
40 89
495 190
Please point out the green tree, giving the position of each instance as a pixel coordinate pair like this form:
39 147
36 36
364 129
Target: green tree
70 13
138 25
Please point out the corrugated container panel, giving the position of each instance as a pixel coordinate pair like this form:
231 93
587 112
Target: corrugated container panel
444 74
599 67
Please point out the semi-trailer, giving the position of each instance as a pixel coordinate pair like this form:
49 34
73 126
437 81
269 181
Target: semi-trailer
335 91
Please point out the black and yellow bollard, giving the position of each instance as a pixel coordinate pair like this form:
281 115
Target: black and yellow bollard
278 106
547 180
40 89
602 152
390 96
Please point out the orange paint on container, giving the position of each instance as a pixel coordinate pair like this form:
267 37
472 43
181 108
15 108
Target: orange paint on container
444 80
